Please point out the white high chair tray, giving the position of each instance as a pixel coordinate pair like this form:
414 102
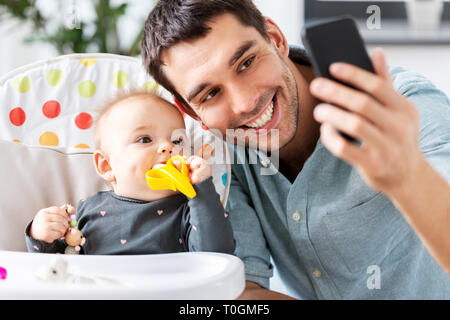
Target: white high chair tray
175 276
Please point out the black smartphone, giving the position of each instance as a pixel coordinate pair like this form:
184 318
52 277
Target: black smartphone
335 40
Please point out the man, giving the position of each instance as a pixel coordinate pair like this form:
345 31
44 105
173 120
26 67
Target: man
340 220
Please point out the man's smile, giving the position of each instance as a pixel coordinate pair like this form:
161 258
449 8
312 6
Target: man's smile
267 119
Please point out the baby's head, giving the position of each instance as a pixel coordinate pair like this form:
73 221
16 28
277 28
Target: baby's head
132 134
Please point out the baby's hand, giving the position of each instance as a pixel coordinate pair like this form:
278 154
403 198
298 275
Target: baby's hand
50 224
199 169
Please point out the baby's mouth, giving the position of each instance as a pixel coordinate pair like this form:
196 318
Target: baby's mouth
159 164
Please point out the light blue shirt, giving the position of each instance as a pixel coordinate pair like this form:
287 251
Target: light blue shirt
330 235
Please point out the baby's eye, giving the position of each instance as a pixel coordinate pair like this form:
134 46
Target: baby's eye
144 140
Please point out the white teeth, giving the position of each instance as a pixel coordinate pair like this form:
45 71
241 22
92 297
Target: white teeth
263 119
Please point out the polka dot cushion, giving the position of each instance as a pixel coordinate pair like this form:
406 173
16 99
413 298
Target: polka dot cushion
53 103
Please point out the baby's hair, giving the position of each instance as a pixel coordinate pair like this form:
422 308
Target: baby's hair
111 103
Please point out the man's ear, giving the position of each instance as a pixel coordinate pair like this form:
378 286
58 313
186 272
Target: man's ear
103 167
277 37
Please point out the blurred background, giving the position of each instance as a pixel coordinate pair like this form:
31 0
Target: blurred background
414 34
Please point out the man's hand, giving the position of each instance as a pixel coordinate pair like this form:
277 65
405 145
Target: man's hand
254 291
50 224
389 158
384 121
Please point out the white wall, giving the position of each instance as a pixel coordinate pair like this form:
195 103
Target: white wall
433 61
287 14
14 52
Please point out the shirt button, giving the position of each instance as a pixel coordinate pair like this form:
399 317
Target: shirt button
296 216
316 273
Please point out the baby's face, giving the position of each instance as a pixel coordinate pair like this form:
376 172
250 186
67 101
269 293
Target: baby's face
138 133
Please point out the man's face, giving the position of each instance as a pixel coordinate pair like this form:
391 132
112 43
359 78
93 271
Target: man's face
234 78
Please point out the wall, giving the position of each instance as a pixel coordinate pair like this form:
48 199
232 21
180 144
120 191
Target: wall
433 61
14 52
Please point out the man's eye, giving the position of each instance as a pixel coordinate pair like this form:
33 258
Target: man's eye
144 140
211 94
246 64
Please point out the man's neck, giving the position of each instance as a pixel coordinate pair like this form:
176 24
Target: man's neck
294 155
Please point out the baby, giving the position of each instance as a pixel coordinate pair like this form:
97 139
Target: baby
134 134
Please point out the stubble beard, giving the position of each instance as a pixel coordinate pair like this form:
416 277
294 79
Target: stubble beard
289 116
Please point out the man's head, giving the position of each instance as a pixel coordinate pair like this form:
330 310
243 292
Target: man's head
174 21
133 134
226 63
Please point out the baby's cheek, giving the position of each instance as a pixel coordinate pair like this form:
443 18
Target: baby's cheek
134 178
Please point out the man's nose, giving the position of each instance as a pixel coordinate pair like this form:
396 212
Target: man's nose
243 100
165 147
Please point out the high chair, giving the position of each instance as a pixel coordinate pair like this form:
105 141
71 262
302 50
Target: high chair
47 111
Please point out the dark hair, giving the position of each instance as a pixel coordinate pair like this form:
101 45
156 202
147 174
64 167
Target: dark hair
174 21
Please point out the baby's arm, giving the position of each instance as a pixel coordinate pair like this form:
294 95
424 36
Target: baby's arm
209 228
44 233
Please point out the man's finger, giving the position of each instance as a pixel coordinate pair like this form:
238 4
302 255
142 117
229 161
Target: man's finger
353 100
351 124
377 86
339 146
379 64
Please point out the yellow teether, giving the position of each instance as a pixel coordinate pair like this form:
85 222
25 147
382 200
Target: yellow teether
169 178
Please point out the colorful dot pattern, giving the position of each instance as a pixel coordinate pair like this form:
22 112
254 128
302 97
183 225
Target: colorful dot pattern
51 109
22 84
17 116
87 89
54 77
55 104
57 107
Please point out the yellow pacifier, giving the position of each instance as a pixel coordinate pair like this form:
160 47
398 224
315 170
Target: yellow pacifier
168 177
